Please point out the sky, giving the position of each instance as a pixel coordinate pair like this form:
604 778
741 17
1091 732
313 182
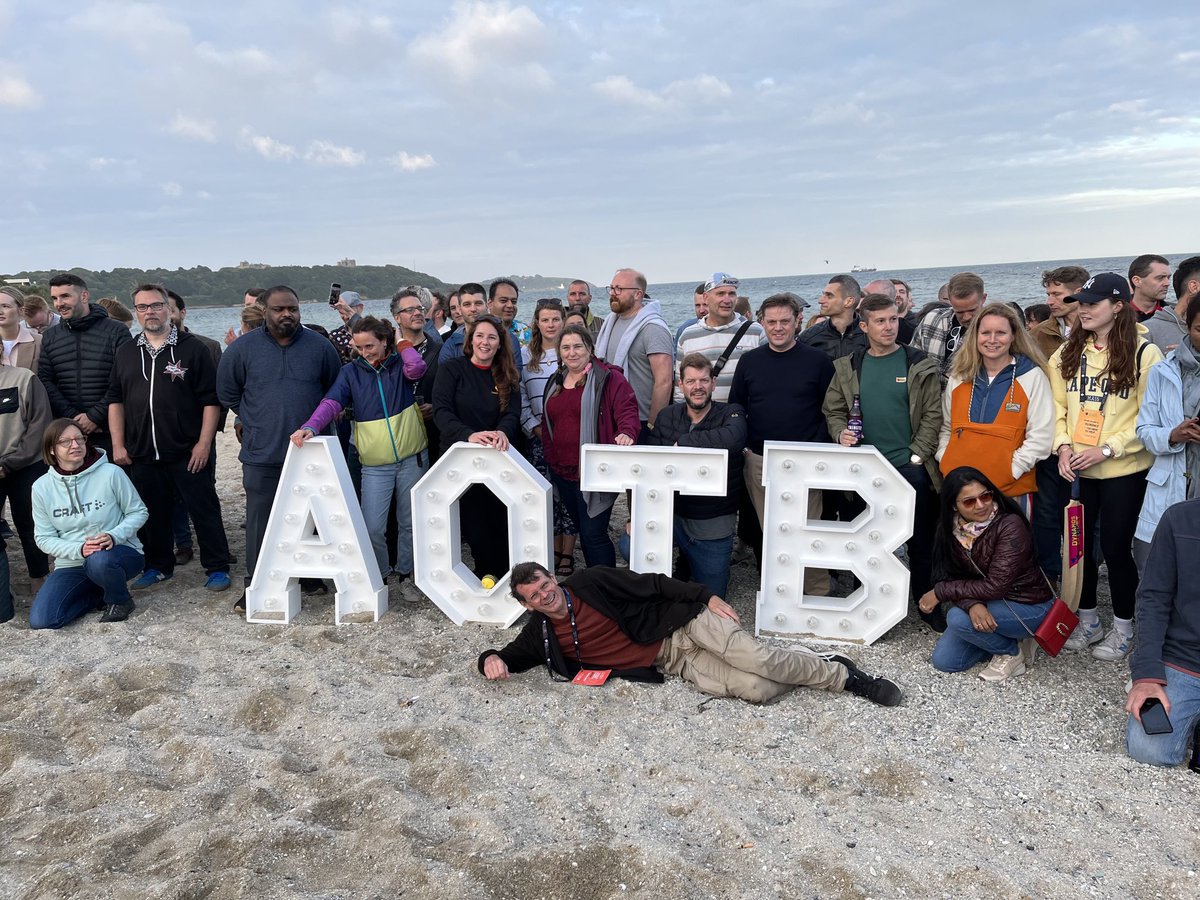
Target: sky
468 140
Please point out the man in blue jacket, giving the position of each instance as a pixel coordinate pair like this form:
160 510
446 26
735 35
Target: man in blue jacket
272 377
1165 663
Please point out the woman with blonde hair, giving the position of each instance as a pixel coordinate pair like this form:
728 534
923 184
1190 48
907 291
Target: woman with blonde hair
22 345
998 409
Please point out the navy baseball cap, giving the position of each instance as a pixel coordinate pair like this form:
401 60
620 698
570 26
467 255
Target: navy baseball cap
1105 286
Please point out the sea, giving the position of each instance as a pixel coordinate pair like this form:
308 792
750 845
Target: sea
1017 281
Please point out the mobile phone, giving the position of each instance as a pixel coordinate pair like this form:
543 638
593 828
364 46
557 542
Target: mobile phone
1154 717
335 293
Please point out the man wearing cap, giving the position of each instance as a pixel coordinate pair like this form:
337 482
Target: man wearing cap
350 308
1053 492
1150 278
942 332
636 339
721 336
579 293
838 335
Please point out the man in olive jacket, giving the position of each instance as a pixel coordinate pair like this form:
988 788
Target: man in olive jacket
900 392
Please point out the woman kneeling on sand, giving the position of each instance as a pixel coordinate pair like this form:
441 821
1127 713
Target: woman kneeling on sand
984 565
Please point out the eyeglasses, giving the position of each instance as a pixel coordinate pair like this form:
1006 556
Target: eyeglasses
616 288
71 442
978 500
150 307
409 310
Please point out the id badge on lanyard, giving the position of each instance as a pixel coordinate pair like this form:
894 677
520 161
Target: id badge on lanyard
1090 424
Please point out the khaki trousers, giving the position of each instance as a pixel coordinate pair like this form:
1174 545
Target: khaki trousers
816 581
721 659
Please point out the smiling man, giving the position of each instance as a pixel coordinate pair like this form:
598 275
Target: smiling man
634 625
721 336
77 358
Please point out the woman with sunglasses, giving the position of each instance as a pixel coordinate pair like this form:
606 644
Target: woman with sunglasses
477 398
1099 378
86 514
587 402
997 409
540 366
985 568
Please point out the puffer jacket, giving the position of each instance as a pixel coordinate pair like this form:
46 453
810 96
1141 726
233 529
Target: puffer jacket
1007 566
77 361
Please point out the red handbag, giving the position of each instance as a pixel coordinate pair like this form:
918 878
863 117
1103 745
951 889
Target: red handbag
1056 627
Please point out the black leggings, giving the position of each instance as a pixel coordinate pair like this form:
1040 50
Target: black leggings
1114 503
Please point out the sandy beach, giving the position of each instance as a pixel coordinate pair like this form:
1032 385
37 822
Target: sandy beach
187 754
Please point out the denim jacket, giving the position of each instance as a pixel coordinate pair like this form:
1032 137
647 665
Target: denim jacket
1161 411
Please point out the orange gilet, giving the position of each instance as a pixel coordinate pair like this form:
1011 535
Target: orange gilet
989 448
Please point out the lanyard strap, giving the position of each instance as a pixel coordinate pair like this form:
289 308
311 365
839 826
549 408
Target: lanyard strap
1083 377
574 635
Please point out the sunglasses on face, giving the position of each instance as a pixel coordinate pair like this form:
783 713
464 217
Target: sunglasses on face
977 501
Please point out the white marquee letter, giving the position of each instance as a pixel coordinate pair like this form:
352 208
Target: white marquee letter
865 546
316 530
654 474
438 569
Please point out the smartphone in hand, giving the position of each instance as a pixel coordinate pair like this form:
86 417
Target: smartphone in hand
335 293
1154 717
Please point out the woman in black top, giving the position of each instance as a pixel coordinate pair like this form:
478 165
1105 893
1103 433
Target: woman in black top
477 398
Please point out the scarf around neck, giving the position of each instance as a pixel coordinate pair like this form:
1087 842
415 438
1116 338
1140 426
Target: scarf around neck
966 533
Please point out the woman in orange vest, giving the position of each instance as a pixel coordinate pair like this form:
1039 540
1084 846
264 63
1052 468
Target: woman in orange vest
998 409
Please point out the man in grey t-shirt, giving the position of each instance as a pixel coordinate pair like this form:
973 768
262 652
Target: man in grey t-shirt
636 338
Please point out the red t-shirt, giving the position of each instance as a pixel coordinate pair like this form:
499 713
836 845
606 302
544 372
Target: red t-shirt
563 413
601 642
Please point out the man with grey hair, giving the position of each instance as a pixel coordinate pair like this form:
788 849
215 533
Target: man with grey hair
579 293
409 310
838 335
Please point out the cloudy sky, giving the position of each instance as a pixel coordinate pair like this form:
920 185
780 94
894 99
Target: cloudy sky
472 139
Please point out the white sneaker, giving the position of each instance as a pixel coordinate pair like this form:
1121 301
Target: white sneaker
1002 668
1084 636
1029 649
410 593
1114 648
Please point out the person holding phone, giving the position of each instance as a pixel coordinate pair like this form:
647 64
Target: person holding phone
1168 426
1099 380
1163 702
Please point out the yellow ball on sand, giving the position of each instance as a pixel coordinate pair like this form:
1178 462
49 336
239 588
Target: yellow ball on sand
488 582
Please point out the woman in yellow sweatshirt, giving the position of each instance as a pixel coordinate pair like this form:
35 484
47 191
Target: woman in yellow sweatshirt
1098 377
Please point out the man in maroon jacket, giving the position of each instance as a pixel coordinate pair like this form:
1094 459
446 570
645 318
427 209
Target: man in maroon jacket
633 624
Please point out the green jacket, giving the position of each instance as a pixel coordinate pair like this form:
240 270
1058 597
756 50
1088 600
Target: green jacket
924 402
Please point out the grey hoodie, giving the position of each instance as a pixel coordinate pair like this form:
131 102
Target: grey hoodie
1166 329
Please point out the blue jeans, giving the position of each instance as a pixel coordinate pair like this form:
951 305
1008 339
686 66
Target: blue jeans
598 549
961 646
73 591
1183 691
709 560
379 484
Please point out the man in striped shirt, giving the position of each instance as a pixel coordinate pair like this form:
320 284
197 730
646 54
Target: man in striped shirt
722 331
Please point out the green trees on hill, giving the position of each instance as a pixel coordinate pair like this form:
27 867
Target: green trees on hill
202 286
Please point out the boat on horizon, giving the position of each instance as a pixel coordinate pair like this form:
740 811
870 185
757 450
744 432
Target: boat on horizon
863 269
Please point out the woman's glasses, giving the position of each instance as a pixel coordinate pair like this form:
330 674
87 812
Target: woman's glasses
977 501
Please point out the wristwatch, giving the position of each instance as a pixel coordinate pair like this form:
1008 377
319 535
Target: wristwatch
1107 451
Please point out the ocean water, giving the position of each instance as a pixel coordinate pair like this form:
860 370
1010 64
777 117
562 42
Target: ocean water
1021 282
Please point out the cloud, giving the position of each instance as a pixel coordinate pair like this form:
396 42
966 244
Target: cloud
848 112
17 93
702 89
407 162
100 163
267 147
346 26
172 189
193 129
481 42
142 26
324 153
247 60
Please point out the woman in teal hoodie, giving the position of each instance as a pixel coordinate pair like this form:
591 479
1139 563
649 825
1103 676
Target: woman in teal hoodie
86 514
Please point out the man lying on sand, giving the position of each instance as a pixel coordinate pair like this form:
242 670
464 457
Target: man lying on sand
633 624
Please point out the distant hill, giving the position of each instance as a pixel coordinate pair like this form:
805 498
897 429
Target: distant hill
202 286
530 284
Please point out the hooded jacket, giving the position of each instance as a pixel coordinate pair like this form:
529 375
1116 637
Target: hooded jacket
1165 329
97 499
1003 428
76 364
1120 410
24 415
164 393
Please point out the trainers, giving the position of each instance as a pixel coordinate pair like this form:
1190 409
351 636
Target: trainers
217 581
149 578
875 688
1084 636
410 593
1003 667
117 612
1114 648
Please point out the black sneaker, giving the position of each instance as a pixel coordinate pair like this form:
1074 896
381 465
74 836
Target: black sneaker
875 688
117 612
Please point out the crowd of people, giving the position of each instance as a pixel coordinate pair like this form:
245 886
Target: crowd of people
996 416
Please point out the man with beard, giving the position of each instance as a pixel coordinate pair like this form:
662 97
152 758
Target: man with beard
704 526
273 377
163 414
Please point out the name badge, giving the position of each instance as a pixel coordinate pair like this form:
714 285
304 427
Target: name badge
1088 427
591 677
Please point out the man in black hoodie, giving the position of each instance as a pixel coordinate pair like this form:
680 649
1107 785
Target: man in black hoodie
163 414
77 358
